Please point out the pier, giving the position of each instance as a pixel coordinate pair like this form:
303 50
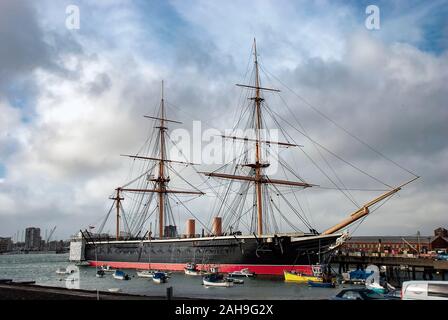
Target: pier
28 290
394 265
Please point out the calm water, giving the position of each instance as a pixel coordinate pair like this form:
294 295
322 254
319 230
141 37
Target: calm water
42 269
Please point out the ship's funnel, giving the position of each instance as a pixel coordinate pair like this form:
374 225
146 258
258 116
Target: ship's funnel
217 226
191 231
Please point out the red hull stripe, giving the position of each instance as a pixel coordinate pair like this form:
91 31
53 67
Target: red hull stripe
258 269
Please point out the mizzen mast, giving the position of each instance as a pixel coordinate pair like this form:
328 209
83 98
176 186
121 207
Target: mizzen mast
118 200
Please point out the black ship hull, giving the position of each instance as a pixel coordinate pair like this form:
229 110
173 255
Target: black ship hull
269 255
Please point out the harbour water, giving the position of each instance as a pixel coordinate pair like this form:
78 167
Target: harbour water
42 269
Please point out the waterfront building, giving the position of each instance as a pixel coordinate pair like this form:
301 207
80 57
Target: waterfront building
398 244
5 245
32 238
440 239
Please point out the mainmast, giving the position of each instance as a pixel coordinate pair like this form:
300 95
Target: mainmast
259 178
257 166
161 178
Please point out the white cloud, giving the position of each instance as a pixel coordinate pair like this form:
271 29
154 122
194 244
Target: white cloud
62 165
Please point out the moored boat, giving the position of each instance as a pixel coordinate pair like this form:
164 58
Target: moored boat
235 280
242 273
120 275
159 277
192 270
216 280
146 273
107 268
298 277
61 271
315 284
100 273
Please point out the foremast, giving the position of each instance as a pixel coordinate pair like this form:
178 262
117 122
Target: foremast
162 179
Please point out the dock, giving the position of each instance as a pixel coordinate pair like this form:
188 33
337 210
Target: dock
393 264
10 290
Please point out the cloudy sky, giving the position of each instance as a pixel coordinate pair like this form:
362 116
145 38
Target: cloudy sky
72 100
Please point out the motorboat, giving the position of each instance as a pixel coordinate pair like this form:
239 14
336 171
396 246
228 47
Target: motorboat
61 271
242 273
235 280
107 268
216 280
192 270
314 284
100 273
120 275
146 273
299 277
159 277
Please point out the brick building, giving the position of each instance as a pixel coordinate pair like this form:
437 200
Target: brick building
398 244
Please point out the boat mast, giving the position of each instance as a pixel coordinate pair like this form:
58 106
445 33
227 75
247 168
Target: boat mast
161 181
161 178
259 178
117 199
258 172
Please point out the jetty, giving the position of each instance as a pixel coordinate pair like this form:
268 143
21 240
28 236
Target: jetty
28 290
394 264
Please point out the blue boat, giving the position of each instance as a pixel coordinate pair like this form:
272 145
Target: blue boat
159 277
314 284
359 275
120 275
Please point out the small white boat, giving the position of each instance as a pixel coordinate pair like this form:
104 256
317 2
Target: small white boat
235 280
216 280
242 273
120 275
145 273
65 271
192 270
61 271
114 289
107 269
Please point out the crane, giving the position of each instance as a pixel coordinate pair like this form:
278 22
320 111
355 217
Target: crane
51 233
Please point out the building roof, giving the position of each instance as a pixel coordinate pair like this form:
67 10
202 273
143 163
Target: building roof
389 239
436 237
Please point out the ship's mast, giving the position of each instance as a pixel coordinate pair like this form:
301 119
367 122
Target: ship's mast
117 199
161 177
259 178
258 172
